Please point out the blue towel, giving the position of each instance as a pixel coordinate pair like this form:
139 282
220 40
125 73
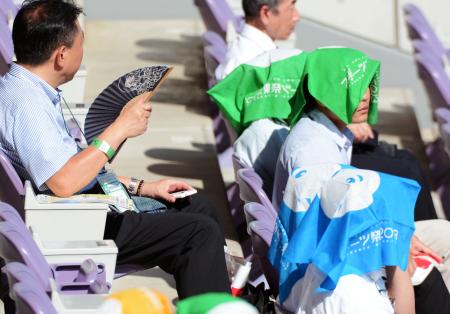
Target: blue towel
343 220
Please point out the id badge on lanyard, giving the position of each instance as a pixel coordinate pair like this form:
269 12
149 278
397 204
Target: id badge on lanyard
112 186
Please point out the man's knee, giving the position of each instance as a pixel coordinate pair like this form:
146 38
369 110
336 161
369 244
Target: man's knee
209 230
203 205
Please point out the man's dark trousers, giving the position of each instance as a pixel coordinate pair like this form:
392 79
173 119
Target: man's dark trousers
186 241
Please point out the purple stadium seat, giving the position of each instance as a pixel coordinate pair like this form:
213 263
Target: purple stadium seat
32 300
238 164
6 44
250 187
442 115
255 210
18 272
213 39
261 228
224 133
439 155
12 190
10 214
7 9
422 46
419 28
444 194
213 56
435 80
412 9
17 245
438 162
216 15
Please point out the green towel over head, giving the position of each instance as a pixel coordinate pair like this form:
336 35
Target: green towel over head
339 78
214 303
262 88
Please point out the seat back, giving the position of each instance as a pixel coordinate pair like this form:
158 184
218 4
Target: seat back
6 43
420 29
12 189
18 272
213 56
250 188
217 14
256 211
8 213
17 245
7 9
237 163
442 115
261 235
32 300
412 9
435 80
210 38
423 46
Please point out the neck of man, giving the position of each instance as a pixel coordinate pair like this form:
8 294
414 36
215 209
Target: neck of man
330 115
256 23
46 72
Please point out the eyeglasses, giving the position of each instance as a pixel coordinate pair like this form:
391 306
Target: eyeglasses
78 141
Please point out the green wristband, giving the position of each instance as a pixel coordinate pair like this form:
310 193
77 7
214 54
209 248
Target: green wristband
104 147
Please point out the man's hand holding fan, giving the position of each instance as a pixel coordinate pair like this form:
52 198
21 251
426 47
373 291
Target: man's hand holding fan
123 108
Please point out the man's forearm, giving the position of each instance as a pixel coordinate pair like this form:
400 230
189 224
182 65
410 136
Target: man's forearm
83 167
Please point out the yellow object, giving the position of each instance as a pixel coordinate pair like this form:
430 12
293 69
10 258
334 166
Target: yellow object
142 301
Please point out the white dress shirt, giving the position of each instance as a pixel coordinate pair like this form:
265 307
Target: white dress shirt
258 147
253 147
250 43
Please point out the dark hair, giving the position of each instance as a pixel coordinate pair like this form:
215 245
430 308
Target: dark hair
310 101
41 26
252 7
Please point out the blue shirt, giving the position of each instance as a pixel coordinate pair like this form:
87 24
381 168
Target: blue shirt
314 139
32 130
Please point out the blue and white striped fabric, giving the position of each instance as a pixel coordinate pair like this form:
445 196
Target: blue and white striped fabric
32 130
342 220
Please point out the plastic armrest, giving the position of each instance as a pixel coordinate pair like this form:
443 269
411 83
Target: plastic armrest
31 202
85 272
96 287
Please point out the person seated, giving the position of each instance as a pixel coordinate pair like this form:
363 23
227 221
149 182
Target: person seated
265 22
185 240
338 230
339 86
260 142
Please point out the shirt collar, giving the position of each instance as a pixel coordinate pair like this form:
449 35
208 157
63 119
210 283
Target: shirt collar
22 73
260 38
343 139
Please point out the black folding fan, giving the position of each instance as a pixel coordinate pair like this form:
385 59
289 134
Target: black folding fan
108 104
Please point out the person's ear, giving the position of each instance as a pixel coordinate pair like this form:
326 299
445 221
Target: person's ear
264 14
60 56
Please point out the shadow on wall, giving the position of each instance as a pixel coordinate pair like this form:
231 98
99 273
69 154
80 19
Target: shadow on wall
187 53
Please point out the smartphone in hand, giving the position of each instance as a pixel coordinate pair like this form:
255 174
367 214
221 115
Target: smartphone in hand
184 193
